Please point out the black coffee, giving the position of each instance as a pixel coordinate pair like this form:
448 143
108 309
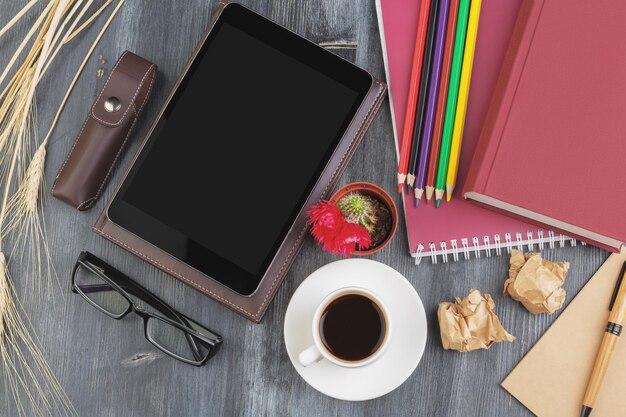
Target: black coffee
352 327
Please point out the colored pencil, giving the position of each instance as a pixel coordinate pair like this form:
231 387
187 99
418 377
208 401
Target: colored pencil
441 99
453 90
411 102
423 90
431 103
461 106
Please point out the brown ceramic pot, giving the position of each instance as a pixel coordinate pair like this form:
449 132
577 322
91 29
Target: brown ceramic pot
372 190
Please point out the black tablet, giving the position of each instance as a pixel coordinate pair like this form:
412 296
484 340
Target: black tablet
239 147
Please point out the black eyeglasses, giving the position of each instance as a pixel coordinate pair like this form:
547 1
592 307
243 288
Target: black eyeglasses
109 290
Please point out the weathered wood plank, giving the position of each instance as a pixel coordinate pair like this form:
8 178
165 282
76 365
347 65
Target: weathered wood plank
109 369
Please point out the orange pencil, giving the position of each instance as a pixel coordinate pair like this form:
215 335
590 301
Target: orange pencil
441 99
411 102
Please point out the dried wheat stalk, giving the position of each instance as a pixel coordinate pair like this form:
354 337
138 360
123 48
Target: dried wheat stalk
23 207
29 381
18 133
17 17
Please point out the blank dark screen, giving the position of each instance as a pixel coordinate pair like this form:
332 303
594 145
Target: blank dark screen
240 149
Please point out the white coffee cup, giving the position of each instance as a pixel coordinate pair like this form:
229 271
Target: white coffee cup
318 350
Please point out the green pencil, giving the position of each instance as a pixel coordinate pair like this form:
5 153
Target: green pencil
453 93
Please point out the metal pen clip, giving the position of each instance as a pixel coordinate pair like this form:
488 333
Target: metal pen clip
620 278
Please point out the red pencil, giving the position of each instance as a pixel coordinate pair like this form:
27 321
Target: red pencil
441 99
411 102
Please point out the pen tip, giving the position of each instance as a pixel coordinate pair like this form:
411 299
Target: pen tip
437 202
586 412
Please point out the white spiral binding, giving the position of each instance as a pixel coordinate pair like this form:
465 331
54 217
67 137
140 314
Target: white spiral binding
418 254
487 246
455 250
541 239
551 238
531 243
522 241
465 248
496 240
433 252
476 247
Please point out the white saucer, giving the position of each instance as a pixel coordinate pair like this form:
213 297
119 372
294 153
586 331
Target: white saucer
405 347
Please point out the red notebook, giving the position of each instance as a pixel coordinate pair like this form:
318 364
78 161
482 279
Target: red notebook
458 229
552 149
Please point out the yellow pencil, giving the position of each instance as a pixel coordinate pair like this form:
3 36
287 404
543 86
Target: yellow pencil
461 105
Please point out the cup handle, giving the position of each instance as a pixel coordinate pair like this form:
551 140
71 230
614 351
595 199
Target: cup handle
310 356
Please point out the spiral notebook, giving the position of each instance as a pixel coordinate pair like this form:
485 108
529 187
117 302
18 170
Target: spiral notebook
458 229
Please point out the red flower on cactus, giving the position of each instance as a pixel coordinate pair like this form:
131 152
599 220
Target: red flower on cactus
334 232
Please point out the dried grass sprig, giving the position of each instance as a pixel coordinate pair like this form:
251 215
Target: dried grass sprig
87 22
16 109
40 20
17 17
29 381
72 32
26 222
23 212
80 69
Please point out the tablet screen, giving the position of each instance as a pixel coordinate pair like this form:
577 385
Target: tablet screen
239 148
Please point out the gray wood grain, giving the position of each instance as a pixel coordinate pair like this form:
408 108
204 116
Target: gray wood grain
110 370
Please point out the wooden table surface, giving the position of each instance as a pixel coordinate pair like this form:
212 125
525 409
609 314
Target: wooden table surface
109 369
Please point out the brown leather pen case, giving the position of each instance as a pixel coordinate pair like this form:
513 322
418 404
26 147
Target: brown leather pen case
110 121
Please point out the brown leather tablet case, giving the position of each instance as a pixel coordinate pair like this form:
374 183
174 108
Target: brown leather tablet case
253 306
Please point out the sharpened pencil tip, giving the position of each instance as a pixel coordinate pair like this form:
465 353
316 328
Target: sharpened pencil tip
401 181
410 180
449 191
417 202
439 194
437 202
430 191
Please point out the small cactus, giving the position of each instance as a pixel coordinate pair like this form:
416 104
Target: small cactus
359 209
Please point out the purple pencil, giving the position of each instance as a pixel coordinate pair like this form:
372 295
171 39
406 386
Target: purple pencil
431 103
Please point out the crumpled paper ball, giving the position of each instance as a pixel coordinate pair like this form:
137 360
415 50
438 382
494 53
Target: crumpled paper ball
470 323
536 282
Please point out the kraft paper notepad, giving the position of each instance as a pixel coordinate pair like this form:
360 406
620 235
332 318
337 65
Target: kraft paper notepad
551 379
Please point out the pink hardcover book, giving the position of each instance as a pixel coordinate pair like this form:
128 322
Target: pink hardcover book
459 228
561 95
